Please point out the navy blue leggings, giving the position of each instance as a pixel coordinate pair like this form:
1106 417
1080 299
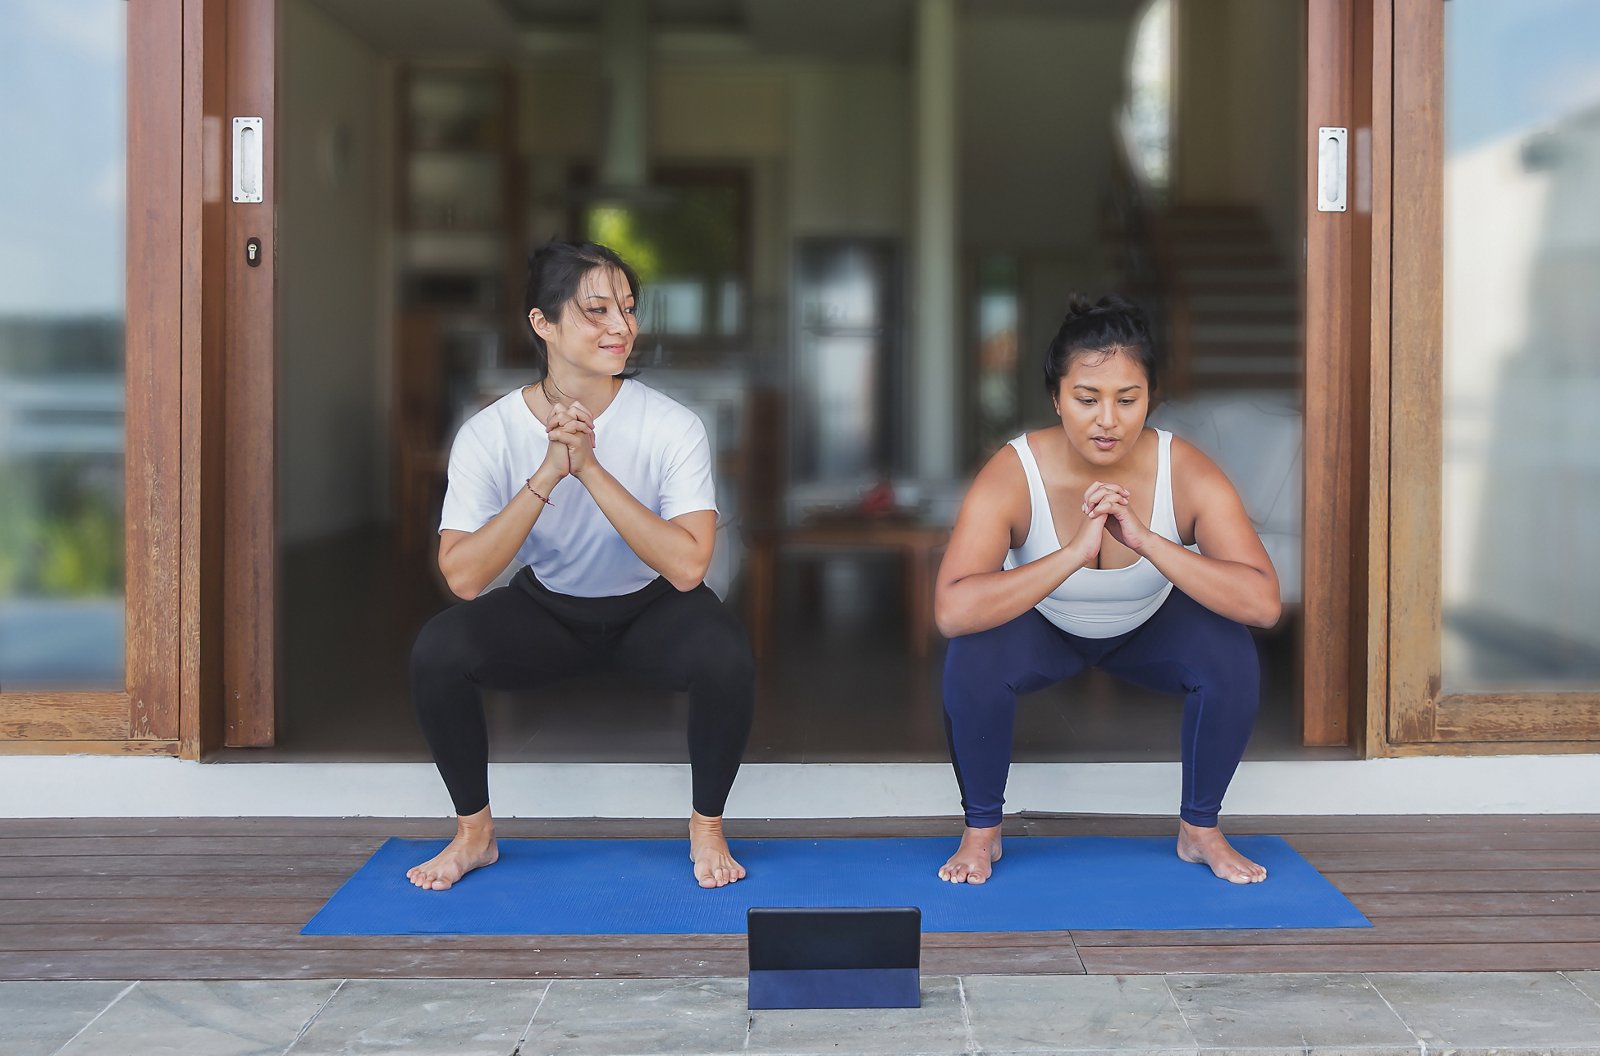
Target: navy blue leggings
1184 647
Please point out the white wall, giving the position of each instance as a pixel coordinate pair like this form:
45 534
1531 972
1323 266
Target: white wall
331 466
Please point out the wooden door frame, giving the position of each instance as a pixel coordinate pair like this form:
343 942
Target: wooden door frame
142 718
228 581
249 397
1422 718
1344 64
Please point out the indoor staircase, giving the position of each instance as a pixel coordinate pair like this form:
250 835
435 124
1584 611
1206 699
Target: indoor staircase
1227 285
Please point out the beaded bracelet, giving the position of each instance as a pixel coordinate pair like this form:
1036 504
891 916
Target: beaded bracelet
529 485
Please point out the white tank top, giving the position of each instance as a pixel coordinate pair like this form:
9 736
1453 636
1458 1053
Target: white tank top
1098 602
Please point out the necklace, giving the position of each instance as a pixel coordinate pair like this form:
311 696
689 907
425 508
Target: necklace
546 381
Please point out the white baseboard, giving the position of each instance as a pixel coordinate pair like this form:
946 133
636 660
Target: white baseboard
96 786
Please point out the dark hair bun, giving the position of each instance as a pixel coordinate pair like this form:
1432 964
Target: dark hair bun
1112 323
1079 307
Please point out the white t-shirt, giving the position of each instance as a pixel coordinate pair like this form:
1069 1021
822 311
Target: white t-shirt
653 445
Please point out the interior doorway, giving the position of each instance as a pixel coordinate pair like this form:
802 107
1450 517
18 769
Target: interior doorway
1099 147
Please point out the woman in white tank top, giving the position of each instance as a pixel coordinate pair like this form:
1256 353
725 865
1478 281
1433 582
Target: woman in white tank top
1100 542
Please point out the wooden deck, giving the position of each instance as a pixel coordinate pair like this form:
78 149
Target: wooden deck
225 899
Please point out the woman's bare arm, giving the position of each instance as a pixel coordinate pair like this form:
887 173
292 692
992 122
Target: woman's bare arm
1232 575
470 561
679 549
972 593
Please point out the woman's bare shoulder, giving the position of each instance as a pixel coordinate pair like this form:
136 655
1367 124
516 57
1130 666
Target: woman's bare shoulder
1191 463
1002 470
1198 483
999 492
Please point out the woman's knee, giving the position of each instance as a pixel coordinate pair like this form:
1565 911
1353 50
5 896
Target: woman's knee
982 663
1227 667
444 646
717 651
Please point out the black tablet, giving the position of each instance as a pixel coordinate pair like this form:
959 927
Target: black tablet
860 957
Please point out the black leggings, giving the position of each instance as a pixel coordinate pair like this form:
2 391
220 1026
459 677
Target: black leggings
523 635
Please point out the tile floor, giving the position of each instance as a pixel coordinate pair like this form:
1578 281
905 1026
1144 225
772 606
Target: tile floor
1507 1014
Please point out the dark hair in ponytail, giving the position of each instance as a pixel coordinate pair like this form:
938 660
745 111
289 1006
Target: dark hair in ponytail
555 271
1110 325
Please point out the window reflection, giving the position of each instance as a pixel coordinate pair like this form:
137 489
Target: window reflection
1521 587
61 344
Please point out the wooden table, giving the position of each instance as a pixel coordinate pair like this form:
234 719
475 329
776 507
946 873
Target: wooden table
916 542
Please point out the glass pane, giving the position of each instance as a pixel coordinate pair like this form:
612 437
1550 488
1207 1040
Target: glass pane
1148 148
1521 584
61 349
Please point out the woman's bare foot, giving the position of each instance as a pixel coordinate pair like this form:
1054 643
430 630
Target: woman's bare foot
1208 847
473 848
708 850
973 862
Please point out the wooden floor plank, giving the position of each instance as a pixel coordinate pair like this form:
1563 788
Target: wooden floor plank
346 964
1464 880
169 888
1420 930
201 910
1399 861
1477 904
157 866
1395 957
308 845
1309 843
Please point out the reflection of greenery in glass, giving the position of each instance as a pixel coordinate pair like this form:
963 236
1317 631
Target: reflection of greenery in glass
691 238
612 225
61 529
61 510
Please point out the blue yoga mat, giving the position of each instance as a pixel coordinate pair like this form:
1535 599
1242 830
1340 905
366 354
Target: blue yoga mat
646 887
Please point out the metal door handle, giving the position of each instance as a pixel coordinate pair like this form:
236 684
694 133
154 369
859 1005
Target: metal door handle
1332 166
247 159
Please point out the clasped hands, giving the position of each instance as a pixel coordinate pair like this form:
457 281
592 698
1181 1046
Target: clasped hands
1107 510
570 431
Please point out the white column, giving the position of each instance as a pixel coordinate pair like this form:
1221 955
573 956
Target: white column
932 355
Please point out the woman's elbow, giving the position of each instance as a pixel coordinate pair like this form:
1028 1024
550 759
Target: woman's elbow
462 589
459 583
949 618
1268 612
689 576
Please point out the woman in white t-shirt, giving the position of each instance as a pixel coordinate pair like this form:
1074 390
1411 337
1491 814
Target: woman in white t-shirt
600 487
1072 551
